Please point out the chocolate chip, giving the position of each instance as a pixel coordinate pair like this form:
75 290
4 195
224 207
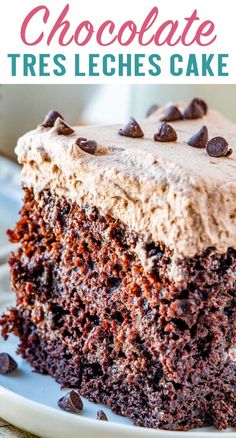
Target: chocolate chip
200 139
152 109
172 113
71 402
101 416
202 104
166 133
62 128
217 147
195 110
132 129
50 119
89 146
7 363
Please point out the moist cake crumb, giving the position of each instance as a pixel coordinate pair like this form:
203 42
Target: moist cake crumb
87 314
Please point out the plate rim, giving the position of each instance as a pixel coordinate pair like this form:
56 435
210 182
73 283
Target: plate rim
31 407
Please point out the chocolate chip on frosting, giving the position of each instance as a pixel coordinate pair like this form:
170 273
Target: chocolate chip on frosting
7 363
132 129
89 146
152 109
218 147
202 104
195 110
200 139
50 119
166 133
71 402
101 415
172 113
62 128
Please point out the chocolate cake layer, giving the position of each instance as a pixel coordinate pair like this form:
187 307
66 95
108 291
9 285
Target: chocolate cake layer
152 348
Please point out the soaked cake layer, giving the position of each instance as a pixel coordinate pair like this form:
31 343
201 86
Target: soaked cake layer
87 312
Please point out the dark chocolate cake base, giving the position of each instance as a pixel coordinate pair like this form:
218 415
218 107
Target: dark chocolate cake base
88 314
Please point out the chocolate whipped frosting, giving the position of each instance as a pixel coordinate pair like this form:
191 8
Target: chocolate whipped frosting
168 192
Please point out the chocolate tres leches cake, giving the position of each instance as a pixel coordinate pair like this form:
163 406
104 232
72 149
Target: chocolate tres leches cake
125 277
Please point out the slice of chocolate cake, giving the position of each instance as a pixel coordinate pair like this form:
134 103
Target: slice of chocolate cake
125 277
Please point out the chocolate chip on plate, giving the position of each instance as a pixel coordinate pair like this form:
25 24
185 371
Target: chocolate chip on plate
195 110
89 146
132 129
101 415
71 402
217 147
152 109
166 133
7 363
172 113
200 139
62 128
50 119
